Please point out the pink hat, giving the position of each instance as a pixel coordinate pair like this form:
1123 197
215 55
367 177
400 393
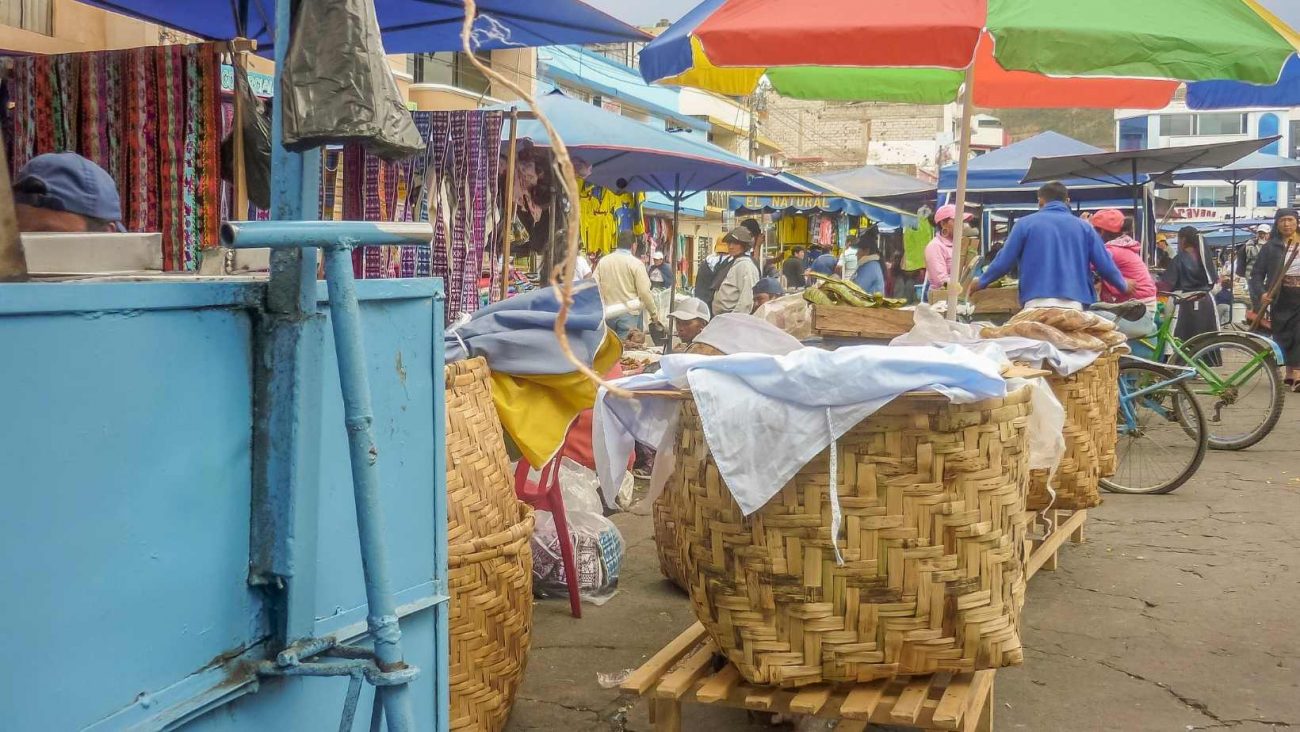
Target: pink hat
1108 219
949 212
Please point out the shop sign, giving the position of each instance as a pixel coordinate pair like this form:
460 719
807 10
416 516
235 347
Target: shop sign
786 201
1196 213
263 84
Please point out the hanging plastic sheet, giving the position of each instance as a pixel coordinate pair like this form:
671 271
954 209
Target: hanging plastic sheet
337 85
257 145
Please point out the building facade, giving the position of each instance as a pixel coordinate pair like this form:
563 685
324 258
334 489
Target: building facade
1176 125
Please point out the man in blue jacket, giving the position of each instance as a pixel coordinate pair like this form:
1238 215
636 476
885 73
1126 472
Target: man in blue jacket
1057 253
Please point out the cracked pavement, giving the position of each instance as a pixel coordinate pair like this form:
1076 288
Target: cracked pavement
1178 612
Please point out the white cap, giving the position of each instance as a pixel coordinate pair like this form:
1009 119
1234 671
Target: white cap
1264 228
690 308
657 255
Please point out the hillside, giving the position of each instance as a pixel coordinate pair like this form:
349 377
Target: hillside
1093 126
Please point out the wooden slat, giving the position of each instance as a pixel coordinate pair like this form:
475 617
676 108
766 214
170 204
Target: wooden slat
861 701
668 715
681 679
640 681
1052 544
953 704
979 715
718 686
810 700
851 725
761 698
910 700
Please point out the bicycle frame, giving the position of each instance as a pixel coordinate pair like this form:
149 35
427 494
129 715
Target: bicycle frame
1127 399
1165 341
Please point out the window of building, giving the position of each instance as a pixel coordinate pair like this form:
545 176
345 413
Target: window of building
1177 125
452 69
29 15
1133 133
1205 196
1227 123
1295 140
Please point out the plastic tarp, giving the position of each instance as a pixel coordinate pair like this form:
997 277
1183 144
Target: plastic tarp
1004 168
408 26
871 181
625 154
337 85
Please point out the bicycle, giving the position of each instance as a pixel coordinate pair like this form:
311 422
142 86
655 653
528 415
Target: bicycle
1237 377
1163 435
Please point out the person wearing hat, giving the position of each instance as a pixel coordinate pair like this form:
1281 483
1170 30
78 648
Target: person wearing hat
661 275
756 231
1245 261
689 318
938 253
706 284
736 276
64 192
1276 276
766 290
1116 232
1057 253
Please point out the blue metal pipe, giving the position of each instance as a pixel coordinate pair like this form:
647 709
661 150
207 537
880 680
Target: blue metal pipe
345 315
323 234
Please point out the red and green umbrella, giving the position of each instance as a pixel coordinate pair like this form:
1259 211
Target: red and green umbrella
919 51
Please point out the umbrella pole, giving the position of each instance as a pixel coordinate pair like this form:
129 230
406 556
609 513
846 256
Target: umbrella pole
508 204
672 262
963 165
1141 233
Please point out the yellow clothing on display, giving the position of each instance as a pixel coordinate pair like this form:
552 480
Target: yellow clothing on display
599 210
793 230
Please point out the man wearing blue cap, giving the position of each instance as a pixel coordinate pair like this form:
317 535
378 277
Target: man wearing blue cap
64 192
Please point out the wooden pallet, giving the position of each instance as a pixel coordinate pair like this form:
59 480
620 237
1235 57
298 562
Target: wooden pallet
1043 554
689 670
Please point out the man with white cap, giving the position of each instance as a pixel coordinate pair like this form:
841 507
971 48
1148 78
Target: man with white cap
690 316
1246 262
661 275
938 253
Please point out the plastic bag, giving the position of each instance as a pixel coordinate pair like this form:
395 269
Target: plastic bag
930 327
790 313
257 146
338 86
597 543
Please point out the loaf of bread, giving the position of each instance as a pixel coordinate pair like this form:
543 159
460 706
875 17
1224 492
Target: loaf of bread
1080 341
1064 319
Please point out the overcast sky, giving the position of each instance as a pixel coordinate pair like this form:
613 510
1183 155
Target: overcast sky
642 12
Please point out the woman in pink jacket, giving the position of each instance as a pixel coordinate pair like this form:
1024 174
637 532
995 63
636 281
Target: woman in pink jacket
1115 231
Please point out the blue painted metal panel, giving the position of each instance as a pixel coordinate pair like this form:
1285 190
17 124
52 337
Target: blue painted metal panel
125 526
133 419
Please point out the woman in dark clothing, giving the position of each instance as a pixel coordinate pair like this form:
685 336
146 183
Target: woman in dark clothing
1189 271
1272 265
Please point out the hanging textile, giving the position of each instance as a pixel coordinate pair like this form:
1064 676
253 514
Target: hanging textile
793 229
604 213
453 185
149 117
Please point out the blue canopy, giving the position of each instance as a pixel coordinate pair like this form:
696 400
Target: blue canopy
408 26
625 154
820 197
1003 169
1255 166
1204 95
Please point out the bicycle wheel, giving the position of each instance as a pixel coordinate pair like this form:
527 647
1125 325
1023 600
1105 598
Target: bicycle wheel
1162 433
1249 404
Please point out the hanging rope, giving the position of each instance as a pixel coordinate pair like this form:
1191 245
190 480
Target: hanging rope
561 277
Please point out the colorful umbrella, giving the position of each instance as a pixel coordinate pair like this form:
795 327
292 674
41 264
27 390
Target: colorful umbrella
1003 53
918 51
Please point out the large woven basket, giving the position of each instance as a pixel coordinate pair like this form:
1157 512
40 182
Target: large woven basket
933 498
671 562
490 560
1090 397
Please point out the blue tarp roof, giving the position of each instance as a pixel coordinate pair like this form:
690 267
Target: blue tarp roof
645 158
408 26
1004 168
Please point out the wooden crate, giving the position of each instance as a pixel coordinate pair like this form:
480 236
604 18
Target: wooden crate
687 671
842 321
992 301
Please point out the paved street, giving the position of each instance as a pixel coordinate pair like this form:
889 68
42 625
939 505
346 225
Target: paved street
1178 613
